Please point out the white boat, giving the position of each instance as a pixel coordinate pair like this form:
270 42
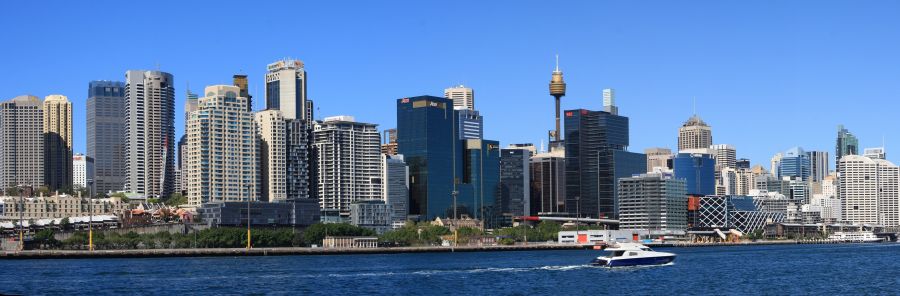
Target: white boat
854 237
632 254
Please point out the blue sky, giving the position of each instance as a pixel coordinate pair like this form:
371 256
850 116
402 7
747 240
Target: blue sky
767 75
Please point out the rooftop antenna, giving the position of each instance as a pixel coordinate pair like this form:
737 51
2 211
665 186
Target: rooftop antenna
157 65
557 62
695 105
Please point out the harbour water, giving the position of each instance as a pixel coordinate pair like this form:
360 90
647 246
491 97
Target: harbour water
854 269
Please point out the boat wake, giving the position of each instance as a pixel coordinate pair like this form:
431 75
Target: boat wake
465 271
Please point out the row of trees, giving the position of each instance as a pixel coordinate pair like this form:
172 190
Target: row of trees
45 191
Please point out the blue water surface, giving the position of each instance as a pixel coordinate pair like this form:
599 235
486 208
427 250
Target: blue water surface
849 269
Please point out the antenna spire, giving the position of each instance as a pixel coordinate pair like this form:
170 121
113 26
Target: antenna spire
557 63
695 106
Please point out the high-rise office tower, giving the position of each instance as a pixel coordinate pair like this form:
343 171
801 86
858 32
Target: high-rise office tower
694 134
21 142
241 82
286 89
463 97
655 201
425 138
818 165
396 188
429 141
847 144
272 136
596 157
349 161
557 90
514 182
389 139
725 155
794 164
469 124
869 190
81 165
743 163
57 142
609 101
698 171
875 153
548 182
222 162
658 158
106 134
775 163
149 132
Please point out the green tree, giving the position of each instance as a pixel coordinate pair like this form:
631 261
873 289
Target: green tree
120 195
45 239
175 199
12 191
42 190
64 223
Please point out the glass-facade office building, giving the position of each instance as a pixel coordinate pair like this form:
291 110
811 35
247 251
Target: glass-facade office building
596 156
432 148
698 171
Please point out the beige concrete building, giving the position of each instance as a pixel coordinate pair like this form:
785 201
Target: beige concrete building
272 136
222 157
657 158
58 206
57 142
463 97
694 134
21 142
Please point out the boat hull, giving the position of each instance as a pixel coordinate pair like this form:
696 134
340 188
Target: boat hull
642 261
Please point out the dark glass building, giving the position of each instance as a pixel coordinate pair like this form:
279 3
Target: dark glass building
514 183
698 171
596 143
434 152
426 140
106 134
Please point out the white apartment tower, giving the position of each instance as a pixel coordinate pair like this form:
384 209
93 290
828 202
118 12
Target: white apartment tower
348 158
21 142
272 135
81 165
463 97
222 161
868 189
286 89
149 133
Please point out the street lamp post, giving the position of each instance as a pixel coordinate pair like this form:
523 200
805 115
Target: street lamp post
577 218
249 245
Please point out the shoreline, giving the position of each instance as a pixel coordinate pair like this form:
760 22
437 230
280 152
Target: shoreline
300 251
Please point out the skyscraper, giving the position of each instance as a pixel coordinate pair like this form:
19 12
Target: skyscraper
548 182
514 182
596 156
694 134
21 142
470 124
396 188
222 162
609 101
698 171
389 142
349 161
286 89
655 201
725 155
869 190
106 134
81 165
425 137
794 164
241 82
818 165
272 136
463 97
658 158
57 142
149 132
847 144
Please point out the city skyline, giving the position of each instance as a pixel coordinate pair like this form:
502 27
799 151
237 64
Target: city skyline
734 65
